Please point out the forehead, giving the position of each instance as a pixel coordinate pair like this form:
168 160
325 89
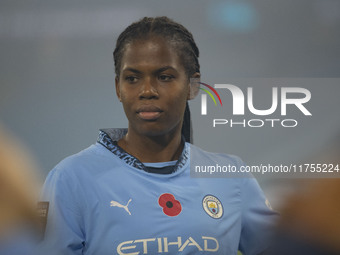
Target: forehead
154 53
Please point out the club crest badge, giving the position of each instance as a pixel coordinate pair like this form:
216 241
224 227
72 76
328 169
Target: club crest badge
212 206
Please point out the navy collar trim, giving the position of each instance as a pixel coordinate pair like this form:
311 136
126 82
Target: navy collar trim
109 137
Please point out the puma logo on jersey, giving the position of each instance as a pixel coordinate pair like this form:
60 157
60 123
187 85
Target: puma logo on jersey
125 207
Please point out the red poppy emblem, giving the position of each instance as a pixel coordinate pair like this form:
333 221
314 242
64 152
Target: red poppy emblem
170 205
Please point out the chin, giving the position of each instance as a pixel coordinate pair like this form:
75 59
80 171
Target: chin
153 130
152 133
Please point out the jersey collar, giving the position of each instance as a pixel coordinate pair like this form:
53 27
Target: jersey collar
109 137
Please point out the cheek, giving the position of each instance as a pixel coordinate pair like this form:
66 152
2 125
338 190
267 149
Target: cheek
126 96
180 98
178 106
126 103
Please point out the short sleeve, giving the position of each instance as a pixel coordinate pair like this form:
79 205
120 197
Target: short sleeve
64 230
257 219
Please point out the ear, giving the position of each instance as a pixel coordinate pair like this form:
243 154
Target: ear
117 88
194 86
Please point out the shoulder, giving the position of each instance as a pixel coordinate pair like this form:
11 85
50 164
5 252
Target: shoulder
206 156
77 172
84 161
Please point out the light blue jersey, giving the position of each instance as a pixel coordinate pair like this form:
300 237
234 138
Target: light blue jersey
104 201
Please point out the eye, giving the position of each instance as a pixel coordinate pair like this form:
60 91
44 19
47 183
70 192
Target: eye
131 79
165 77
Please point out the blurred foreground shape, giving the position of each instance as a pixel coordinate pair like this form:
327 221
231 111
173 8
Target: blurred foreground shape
19 188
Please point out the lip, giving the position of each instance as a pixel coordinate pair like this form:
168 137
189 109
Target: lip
149 112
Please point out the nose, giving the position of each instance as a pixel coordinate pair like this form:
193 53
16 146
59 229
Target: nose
148 90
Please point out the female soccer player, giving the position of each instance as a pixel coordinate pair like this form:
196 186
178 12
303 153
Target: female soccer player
131 192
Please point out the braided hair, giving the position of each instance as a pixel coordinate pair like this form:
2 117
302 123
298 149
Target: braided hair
178 37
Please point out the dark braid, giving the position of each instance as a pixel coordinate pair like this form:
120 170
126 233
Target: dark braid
178 37
187 127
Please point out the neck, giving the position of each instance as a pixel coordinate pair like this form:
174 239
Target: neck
161 148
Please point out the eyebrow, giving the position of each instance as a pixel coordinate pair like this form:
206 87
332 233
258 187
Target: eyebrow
162 69
132 70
